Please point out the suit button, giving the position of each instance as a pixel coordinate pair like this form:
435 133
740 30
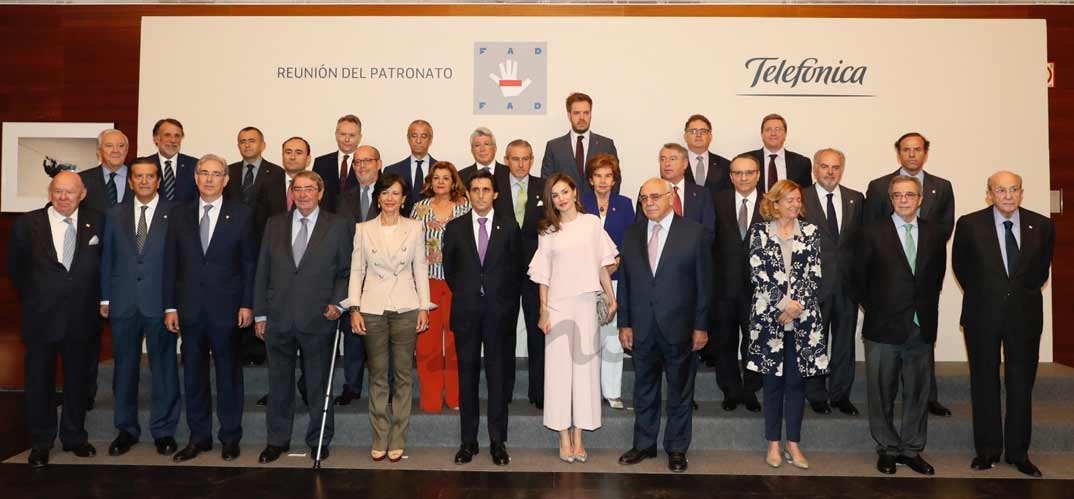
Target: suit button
139 279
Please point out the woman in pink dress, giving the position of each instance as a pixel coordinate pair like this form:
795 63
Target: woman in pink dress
573 251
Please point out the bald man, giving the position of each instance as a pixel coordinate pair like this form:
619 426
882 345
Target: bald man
54 261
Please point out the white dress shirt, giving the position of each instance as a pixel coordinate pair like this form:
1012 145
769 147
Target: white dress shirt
174 167
59 229
704 158
152 208
477 227
585 143
424 166
214 214
665 226
751 200
837 202
491 167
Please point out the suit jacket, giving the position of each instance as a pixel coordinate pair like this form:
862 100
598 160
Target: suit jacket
534 211
836 250
799 168
677 300
732 273
185 188
696 205
500 174
402 168
559 157
93 179
770 278
387 271
718 176
991 299
270 199
56 303
219 281
130 281
350 205
888 290
235 171
937 203
293 297
327 166
620 216
478 289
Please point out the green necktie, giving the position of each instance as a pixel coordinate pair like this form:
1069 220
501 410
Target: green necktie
520 204
911 255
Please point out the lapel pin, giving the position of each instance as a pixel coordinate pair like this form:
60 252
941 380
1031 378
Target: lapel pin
851 201
934 191
1030 226
497 227
227 217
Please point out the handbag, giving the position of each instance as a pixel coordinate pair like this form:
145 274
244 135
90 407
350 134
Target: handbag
602 308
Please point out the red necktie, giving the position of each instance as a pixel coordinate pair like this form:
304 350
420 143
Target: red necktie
290 201
579 158
771 171
342 172
677 202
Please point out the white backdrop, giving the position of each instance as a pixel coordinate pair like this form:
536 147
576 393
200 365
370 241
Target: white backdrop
975 88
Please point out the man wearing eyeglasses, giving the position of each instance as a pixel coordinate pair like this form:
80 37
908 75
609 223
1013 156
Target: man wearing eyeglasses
414 168
704 168
776 162
688 200
1001 256
937 206
899 266
209 260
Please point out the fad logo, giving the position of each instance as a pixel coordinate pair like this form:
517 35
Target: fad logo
510 78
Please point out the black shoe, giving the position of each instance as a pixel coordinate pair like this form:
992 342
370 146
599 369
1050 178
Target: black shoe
122 444
270 454
821 407
752 404
347 397
305 396
466 453
499 454
539 403
886 464
729 404
981 463
83 449
230 452
254 361
693 403
845 407
916 463
38 458
1026 468
938 409
166 446
635 456
89 404
324 452
263 401
677 461
191 451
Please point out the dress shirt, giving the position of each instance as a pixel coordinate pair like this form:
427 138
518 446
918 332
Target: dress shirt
424 166
751 200
681 185
1001 232
296 225
491 167
585 143
59 229
163 164
665 227
517 184
781 163
287 179
477 226
339 160
152 208
837 201
121 180
257 169
214 214
899 223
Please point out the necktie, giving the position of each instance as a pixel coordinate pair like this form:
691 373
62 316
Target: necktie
833 223
364 202
772 170
911 255
579 157
743 217
482 239
520 204
343 172
654 247
699 171
142 232
203 229
169 181
113 194
677 202
1013 254
290 200
419 180
248 185
298 248
69 237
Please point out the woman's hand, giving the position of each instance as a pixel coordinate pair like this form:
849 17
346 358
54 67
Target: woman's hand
794 309
357 323
612 308
544 323
423 321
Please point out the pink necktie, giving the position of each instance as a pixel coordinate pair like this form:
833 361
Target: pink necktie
654 244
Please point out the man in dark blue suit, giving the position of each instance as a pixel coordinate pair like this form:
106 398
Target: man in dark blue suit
570 153
664 297
209 263
132 264
688 199
336 168
706 168
177 169
414 168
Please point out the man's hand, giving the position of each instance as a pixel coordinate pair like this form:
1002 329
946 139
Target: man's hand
701 338
171 322
626 337
246 317
104 311
332 313
259 330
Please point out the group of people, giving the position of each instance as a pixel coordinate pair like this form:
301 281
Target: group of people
747 264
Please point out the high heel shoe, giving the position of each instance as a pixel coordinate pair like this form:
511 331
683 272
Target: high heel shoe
773 461
395 455
566 457
581 458
801 462
377 455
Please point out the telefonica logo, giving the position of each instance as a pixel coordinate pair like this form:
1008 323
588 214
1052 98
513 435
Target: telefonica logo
778 77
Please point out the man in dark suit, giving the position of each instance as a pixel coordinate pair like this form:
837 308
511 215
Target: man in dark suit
664 298
570 153
482 266
483 149
209 262
54 261
106 183
414 168
776 162
837 211
132 267
736 210
522 200
937 206
302 273
1001 256
688 200
335 167
899 266
704 168
177 169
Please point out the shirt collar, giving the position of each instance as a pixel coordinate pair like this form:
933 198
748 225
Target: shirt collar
779 152
575 135
751 196
202 204
120 172
899 222
489 215
664 223
999 218
312 216
824 192
152 204
164 158
256 163
57 217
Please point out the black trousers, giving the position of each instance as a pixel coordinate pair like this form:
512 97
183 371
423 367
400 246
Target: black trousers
78 361
491 330
889 367
252 348
531 313
283 348
840 315
733 338
654 357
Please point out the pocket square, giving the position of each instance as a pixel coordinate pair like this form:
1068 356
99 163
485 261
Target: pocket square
93 241
540 202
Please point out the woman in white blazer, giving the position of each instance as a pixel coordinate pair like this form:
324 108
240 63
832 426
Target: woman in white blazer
389 298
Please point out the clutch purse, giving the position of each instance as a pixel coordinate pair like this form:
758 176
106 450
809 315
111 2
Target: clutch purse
602 308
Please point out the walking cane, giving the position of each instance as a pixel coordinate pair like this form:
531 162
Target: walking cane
327 400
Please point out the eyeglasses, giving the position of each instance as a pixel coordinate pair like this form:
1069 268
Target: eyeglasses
1003 191
744 173
773 129
365 161
698 131
904 195
651 197
305 188
207 173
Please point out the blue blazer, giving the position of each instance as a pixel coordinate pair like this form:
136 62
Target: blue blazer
218 282
697 205
620 216
402 168
131 282
185 189
559 157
